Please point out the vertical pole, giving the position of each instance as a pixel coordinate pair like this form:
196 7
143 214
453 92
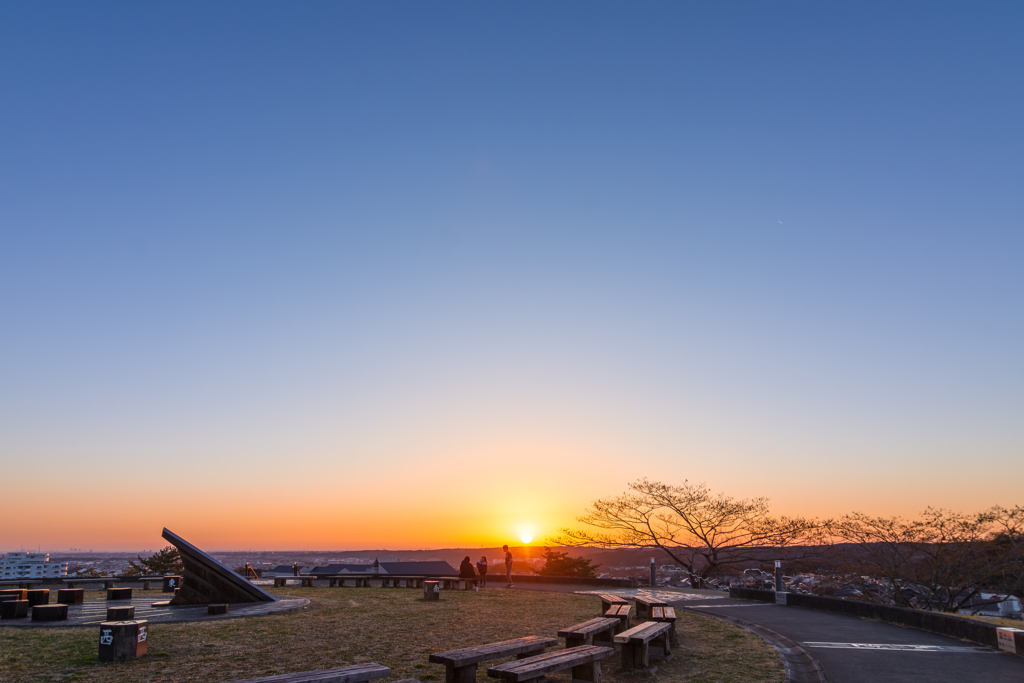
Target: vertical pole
653 571
778 576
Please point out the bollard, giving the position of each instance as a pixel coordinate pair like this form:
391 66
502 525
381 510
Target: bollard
13 609
120 613
40 596
122 641
70 596
54 612
171 583
431 591
119 594
654 574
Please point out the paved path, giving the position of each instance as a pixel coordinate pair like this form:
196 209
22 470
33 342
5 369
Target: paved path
846 649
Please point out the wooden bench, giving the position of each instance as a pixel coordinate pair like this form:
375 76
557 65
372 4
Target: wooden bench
644 606
282 581
637 644
587 632
609 600
585 662
22 583
360 673
460 665
667 615
620 612
107 581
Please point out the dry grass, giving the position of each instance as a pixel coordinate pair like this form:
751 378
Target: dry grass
393 627
995 621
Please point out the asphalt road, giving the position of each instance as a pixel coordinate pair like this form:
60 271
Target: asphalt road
849 649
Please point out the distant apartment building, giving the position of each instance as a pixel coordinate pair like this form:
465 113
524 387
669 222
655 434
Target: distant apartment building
31 566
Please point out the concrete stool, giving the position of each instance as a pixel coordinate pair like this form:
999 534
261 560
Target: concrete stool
217 609
13 609
70 596
54 612
121 641
39 596
17 593
119 594
431 591
120 613
171 583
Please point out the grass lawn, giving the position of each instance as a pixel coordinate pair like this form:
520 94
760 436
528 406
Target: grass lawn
392 627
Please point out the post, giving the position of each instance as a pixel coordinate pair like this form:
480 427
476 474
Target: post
653 574
779 583
121 641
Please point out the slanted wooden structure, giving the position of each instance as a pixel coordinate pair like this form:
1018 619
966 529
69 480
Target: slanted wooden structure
206 580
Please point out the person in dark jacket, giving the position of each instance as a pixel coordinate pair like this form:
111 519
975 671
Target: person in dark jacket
466 570
481 567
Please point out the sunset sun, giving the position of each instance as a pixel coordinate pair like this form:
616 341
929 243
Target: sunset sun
527 538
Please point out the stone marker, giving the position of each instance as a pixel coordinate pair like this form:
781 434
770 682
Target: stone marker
121 641
171 583
217 609
17 593
119 594
13 609
70 596
431 590
54 612
39 596
120 613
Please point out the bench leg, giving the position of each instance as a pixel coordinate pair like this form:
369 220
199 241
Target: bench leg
587 673
461 674
575 640
663 642
602 639
636 656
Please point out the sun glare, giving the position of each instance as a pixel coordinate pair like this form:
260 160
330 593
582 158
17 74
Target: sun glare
527 538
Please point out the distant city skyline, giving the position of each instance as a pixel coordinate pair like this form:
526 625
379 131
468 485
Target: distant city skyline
332 276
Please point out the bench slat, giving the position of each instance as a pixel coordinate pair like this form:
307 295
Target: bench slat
358 673
645 632
595 625
481 653
534 667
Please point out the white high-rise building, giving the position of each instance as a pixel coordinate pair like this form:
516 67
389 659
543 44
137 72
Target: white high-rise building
31 566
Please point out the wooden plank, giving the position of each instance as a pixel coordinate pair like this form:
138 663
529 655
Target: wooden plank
534 667
346 674
482 653
644 633
595 625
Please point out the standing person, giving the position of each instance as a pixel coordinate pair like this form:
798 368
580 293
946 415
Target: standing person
508 567
481 568
295 569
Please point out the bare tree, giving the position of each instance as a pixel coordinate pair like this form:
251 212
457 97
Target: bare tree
697 529
940 561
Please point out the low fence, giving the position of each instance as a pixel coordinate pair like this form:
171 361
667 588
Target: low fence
936 622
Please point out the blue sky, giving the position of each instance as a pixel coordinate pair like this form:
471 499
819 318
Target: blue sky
774 247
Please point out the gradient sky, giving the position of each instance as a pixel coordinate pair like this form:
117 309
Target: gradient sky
342 275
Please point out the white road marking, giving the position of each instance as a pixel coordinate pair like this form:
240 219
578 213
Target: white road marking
904 648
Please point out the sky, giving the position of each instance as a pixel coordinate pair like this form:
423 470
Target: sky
414 275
